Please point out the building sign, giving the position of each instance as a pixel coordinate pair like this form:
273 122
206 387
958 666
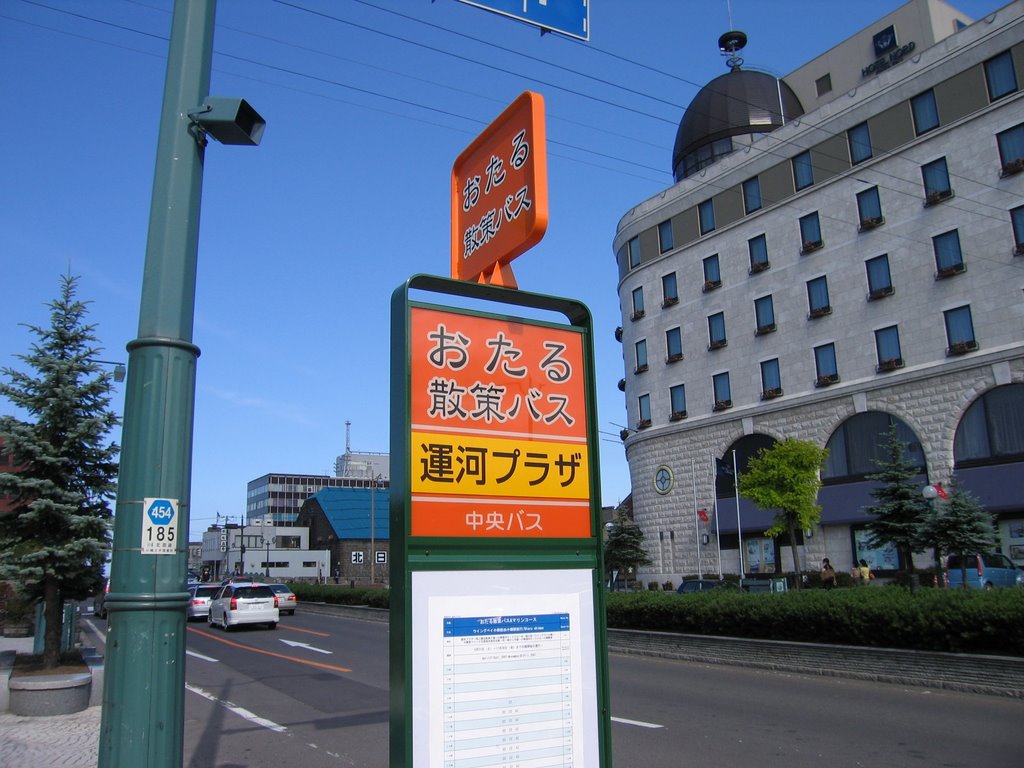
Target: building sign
499 194
887 51
499 428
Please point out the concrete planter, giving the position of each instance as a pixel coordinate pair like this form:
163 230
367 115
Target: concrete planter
43 695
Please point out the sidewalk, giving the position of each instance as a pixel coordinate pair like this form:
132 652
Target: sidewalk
70 741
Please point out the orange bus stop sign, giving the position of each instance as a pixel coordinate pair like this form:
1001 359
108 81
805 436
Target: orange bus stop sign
500 194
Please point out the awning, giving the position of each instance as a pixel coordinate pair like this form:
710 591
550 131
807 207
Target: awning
1000 487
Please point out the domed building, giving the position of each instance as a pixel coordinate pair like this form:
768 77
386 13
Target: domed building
841 252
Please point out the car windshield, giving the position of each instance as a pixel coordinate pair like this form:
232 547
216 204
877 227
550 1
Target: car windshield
205 591
253 592
279 588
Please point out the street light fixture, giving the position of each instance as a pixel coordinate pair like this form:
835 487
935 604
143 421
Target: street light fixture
119 369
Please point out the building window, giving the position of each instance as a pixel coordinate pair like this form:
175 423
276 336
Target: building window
706 216
959 330
764 314
926 113
752 195
722 391
879 279
869 209
674 344
758 248
887 347
949 259
716 331
1017 219
803 171
669 290
638 303
823 84
817 298
633 249
999 75
810 233
771 379
1011 150
677 400
825 365
665 236
936 182
712 273
643 404
859 139
641 356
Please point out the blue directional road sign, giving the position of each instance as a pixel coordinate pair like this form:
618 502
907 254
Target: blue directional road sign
568 17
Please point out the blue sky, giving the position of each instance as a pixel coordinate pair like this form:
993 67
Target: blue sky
304 238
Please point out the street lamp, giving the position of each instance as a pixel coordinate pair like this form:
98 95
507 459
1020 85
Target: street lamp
119 369
930 493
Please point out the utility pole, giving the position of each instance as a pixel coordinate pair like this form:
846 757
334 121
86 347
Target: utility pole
143 694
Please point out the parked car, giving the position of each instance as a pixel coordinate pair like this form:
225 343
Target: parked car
286 600
199 602
701 585
984 571
244 603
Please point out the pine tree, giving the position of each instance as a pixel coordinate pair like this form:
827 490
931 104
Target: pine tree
55 540
624 549
959 525
901 508
787 477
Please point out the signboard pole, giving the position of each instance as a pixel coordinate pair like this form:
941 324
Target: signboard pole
496 530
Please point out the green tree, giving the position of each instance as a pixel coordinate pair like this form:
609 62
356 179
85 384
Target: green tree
55 540
958 525
900 507
786 478
624 548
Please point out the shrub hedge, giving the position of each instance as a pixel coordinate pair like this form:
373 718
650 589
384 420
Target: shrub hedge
955 620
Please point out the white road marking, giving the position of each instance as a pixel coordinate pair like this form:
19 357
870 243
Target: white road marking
200 656
639 723
241 712
307 646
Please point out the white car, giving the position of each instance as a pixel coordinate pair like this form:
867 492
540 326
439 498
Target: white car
243 603
200 596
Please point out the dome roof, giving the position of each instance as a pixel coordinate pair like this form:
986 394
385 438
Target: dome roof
740 102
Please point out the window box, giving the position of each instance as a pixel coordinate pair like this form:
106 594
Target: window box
674 358
677 416
810 246
643 424
889 365
871 223
817 312
934 198
622 385
770 394
1012 167
759 266
710 285
763 329
670 301
721 405
637 315
718 344
949 271
881 293
640 368
618 333
961 348
827 380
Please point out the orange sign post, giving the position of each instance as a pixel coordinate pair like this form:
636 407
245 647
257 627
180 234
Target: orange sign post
500 194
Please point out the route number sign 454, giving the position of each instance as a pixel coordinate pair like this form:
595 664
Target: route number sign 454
159 526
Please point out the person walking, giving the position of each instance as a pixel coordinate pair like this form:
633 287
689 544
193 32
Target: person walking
828 574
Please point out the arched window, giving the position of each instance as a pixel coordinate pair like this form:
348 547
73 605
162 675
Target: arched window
859 442
992 428
746 447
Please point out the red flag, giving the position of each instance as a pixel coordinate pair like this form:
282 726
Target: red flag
703 515
941 491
